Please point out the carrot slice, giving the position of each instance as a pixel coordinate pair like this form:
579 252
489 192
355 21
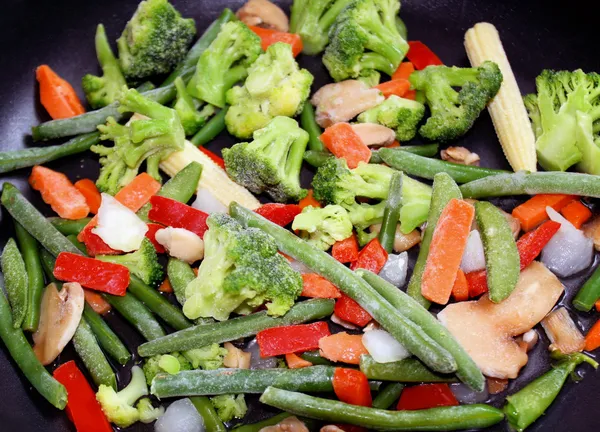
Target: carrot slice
96 302
57 95
309 200
296 362
342 347
165 286
268 37
410 94
533 211
341 140
576 213
397 87
404 71
592 339
58 191
460 289
445 253
92 196
317 286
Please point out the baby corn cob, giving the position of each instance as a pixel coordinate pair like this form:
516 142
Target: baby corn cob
507 109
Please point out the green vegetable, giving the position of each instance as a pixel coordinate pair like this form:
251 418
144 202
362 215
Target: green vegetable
454 112
364 38
73 239
365 236
533 110
205 408
425 167
208 357
275 86
154 41
136 313
409 370
143 263
93 358
323 227
271 162
391 214
315 358
502 259
147 412
316 158
401 27
434 419
169 364
236 328
402 115
104 90
528 404
211 129
156 364
426 150
386 397
187 109
230 406
588 142
16 280
371 78
589 293
107 339
69 227
444 189
180 275
404 330
309 124
225 381
241 270
48 265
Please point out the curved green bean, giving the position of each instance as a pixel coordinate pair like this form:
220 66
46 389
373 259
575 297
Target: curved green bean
16 280
309 124
136 314
107 338
409 370
211 129
315 358
35 273
180 275
205 408
391 214
589 293
386 397
93 358
69 227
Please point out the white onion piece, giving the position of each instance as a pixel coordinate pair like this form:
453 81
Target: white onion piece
394 270
119 227
181 416
207 202
300 267
383 347
569 251
256 361
464 394
473 258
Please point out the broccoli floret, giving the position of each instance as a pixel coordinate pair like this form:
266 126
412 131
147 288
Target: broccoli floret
229 406
224 63
208 358
118 407
311 19
364 38
272 161
454 112
154 41
143 263
164 363
148 413
186 107
241 266
364 215
322 227
104 90
365 236
371 78
402 115
149 140
533 110
275 86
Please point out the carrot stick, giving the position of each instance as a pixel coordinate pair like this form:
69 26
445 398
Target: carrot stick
92 196
296 362
576 213
316 286
592 339
533 211
397 87
57 95
446 251
58 191
268 37
460 289
342 347
404 71
97 302
341 140
309 200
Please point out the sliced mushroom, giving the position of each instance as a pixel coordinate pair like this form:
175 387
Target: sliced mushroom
486 330
592 230
402 242
290 424
235 357
373 134
563 332
181 243
59 318
263 13
460 155
343 101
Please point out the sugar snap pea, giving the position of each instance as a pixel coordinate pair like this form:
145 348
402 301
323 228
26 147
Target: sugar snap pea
93 358
16 280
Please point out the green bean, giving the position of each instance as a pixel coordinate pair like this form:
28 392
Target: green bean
224 381
434 419
211 129
68 227
107 338
316 158
309 124
467 371
34 222
589 293
21 352
16 280
48 261
424 167
236 328
409 370
391 214
315 358
426 150
28 157
136 313
158 304
180 275
35 274
405 331
524 183
73 239
444 189
93 358
205 408
257 427
386 397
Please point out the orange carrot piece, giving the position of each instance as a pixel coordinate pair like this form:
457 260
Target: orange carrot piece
316 286
96 302
268 37
592 339
342 347
309 200
57 95
397 87
576 213
597 305
92 196
446 250
404 71
58 191
296 362
460 289
165 286
410 94
395 144
533 211
341 140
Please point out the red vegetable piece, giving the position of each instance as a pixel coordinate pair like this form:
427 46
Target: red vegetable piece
291 339
477 282
151 235
425 396
280 214
268 37
341 140
349 310
169 212
213 156
94 244
352 386
372 257
346 251
316 286
421 56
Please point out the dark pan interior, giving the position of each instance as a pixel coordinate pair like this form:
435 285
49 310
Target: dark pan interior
536 35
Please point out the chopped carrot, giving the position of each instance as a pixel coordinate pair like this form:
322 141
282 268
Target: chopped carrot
597 304
395 144
268 37
533 211
342 347
96 302
165 286
341 140
317 286
592 339
296 362
446 250
397 87
57 95
309 200
576 213
410 94
92 196
58 191
404 71
460 289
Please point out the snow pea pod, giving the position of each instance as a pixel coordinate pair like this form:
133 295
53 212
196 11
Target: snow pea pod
409 370
93 358
35 275
16 280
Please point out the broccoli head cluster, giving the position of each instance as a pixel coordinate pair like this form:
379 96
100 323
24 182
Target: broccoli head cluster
402 115
322 227
142 263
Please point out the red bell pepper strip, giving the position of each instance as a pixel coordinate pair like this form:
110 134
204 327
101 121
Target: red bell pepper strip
346 251
268 37
213 156
341 140
425 396
82 407
92 273
291 339
372 257
421 56
348 310
151 235
280 214
352 386
169 212
316 286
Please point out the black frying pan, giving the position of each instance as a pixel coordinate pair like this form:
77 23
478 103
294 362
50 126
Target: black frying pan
536 35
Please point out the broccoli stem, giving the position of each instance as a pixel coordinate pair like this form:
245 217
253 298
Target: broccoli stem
372 60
